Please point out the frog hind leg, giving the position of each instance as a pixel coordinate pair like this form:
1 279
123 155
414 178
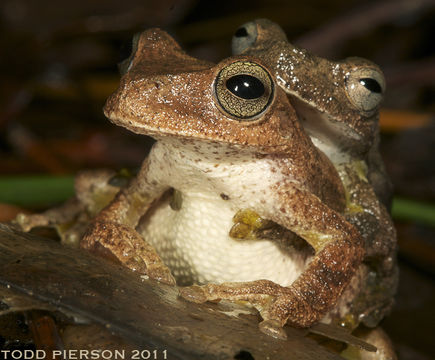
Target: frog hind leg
376 337
259 293
319 287
93 191
52 217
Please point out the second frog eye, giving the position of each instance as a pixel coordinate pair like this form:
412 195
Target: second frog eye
365 87
244 89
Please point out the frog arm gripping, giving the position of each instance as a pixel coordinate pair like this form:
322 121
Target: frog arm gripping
339 251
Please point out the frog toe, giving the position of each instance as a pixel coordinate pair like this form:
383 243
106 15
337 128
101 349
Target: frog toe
28 222
273 328
161 274
194 293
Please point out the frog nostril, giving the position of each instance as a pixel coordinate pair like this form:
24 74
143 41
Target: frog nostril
241 32
244 355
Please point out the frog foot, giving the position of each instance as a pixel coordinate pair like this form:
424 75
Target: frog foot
262 294
251 291
161 273
195 293
247 223
273 328
123 244
28 222
276 304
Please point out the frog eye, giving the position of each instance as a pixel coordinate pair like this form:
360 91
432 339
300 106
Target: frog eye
244 89
365 88
244 37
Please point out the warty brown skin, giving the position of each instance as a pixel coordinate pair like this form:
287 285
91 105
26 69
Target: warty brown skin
169 96
317 84
317 88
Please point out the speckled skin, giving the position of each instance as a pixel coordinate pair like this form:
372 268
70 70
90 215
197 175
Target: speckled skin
349 136
317 88
225 164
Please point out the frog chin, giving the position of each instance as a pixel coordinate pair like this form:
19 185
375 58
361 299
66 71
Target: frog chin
336 139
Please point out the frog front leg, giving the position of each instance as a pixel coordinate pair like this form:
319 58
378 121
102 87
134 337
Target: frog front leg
338 252
111 234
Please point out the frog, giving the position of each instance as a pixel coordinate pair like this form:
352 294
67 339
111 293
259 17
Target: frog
227 138
338 100
338 104
173 220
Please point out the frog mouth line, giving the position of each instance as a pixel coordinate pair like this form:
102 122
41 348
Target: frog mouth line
143 129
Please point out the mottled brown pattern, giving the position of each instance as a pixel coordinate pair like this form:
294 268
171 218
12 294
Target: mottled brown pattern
329 272
308 197
317 88
373 289
120 243
170 96
143 108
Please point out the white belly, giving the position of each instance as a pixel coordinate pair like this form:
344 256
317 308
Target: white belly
195 244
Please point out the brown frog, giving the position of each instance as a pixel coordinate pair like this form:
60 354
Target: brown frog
338 102
219 129
338 105
227 139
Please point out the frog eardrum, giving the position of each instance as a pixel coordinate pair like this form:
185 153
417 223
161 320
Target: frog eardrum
365 88
244 90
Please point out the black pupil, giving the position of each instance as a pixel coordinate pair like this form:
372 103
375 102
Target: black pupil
245 86
241 32
371 84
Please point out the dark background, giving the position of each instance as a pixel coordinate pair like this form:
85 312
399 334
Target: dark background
58 65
